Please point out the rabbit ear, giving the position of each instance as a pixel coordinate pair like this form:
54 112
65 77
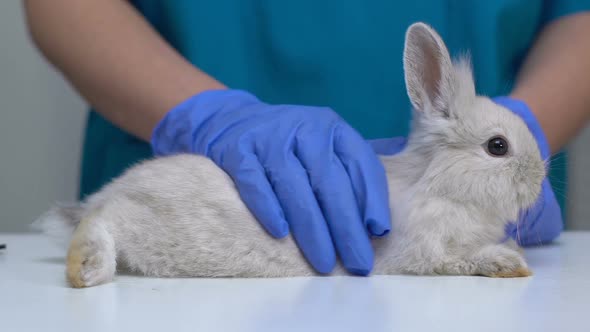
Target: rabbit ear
429 74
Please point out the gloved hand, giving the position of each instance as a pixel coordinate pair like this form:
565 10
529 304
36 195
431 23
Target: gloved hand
388 146
542 222
297 168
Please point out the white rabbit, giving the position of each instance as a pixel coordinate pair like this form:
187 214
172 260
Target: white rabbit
469 166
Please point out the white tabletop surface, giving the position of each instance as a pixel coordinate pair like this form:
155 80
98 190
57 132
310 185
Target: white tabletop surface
35 297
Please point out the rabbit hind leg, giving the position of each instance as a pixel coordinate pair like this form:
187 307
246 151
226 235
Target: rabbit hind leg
91 258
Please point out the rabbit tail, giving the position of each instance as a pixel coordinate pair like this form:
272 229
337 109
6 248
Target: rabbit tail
60 222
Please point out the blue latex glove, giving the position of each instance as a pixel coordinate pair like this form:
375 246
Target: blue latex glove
297 168
542 222
388 146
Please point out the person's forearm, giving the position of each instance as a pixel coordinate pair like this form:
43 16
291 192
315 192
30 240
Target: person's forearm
555 79
115 60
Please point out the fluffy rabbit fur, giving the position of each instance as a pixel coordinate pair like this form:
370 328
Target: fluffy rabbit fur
181 216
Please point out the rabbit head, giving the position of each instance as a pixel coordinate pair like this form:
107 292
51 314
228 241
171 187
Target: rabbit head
473 150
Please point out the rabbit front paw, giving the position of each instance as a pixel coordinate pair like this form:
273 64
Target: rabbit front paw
498 261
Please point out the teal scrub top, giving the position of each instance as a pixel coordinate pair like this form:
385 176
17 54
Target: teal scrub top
345 54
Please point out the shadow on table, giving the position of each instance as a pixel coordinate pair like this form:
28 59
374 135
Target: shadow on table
51 260
121 270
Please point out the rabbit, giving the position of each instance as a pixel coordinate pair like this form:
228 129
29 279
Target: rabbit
468 167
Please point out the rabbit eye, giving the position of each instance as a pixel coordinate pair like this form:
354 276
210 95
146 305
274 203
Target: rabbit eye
497 146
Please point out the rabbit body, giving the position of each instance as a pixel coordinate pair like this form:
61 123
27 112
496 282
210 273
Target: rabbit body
181 216
450 199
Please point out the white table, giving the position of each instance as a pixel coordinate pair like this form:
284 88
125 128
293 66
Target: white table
35 297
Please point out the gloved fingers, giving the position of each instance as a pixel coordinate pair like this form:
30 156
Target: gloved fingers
368 179
338 203
256 192
308 226
388 146
541 223
333 190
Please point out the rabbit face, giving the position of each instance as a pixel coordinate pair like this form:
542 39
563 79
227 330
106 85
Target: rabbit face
486 156
475 151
